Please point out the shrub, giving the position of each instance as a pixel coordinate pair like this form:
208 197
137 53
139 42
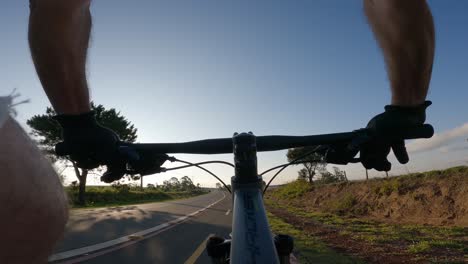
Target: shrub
121 188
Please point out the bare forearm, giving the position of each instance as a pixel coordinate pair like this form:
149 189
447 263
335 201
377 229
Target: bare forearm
405 31
34 206
58 36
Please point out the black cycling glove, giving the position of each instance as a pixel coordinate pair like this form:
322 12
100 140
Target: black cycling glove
387 130
87 142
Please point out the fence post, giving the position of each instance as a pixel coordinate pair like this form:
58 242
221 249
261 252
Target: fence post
367 175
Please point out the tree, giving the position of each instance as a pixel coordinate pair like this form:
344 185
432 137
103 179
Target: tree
312 163
339 174
48 133
166 186
186 183
302 174
174 183
328 177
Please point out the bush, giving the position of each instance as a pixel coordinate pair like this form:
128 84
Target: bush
121 188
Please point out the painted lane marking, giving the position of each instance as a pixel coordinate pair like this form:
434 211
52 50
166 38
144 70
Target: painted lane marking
93 251
228 211
196 254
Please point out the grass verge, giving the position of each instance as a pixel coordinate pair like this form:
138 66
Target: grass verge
104 196
308 249
419 241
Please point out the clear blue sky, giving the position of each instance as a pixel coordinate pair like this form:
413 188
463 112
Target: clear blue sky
185 70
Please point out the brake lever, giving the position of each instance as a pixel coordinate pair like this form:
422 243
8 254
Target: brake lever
114 172
345 153
144 162
358 141
129 154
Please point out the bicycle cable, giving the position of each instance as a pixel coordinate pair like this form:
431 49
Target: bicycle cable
295 161
200 163
206 170
279 166
283 167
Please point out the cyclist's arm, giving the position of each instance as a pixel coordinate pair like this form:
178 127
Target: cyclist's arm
33 204
405 32
58 37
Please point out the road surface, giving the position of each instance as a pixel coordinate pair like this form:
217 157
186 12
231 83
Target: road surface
147 233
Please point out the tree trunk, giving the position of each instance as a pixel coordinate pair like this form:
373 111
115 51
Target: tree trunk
82 190
141 183
310 172
311 176
82 180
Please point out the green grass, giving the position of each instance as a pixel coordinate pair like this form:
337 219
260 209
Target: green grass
293 190
418 238
428 245
102 196
419 247
308 249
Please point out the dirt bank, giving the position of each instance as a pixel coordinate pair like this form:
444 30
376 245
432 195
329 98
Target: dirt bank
434 198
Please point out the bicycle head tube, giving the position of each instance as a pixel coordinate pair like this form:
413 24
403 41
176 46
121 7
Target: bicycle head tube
245 157
252 241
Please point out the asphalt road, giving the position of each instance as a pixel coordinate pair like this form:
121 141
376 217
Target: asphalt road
180 241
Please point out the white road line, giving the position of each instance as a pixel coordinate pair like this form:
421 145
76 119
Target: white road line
144 234
228 211
196 254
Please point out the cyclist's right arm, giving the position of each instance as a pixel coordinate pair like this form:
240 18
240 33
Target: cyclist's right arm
405 32
58 38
